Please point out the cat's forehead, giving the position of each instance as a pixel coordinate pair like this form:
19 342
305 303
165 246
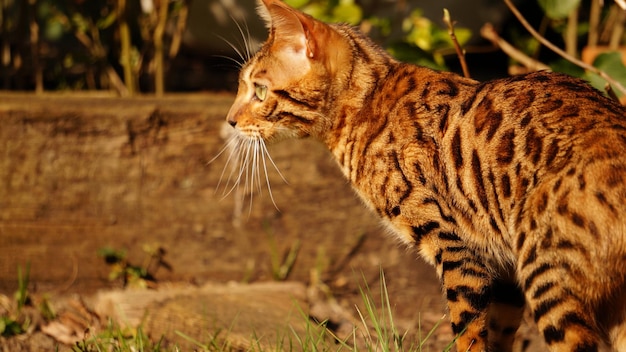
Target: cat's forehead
270 67
256 66
253 70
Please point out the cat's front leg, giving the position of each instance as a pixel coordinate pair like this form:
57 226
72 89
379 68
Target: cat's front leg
467 286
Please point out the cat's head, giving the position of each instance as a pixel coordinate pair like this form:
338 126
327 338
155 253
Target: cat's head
285 88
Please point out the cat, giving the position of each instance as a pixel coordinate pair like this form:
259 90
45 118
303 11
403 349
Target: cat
513 189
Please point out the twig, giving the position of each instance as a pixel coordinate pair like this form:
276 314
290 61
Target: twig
459 52
181 24
6 46
560 52
159 76
34 46
618 30
125 47
68 284
608 23
610 92
594 22
116 82
571 35
543 27
489 33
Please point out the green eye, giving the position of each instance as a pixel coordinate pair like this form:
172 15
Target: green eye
260 91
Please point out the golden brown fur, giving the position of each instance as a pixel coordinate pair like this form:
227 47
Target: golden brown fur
514 189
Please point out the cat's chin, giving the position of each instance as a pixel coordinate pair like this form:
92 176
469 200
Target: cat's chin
268 137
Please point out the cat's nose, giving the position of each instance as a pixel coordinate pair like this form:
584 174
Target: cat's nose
233 114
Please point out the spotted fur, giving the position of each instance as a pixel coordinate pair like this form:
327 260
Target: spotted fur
514 189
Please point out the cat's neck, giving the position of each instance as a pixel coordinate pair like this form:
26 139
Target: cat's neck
376 97
362 73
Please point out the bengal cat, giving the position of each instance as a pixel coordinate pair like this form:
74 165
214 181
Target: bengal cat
514 189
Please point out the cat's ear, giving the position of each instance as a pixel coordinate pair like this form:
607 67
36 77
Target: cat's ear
262 10
291 27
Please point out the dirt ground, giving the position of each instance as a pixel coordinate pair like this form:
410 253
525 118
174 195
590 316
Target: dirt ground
80 173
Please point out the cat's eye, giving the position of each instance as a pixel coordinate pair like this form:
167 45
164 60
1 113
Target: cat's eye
260 91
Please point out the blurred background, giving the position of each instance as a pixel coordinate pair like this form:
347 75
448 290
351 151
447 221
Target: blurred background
145 46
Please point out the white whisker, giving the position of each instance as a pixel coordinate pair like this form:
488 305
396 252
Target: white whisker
247 161
250 165
232 145
245 166
252 168
237 50
240 160
267 179
237 62
231 139
259 158
246 39
266 152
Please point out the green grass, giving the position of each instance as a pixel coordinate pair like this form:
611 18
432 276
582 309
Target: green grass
16 323
116 339
137 275
281 265
378 331
386 335
382 335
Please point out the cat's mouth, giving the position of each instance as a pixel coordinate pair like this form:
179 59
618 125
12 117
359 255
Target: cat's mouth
249 132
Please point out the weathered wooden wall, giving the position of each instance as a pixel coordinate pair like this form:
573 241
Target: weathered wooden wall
81 173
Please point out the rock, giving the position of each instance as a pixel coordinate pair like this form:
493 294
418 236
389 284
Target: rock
235 316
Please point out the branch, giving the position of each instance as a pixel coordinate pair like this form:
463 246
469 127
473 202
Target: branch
159 75
116 82
618 30
489 33
459 52
571 35
181 24
34 46
560 52
594 22
125 47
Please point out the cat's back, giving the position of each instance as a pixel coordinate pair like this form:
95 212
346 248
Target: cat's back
546 120
563 146
533 148
544 97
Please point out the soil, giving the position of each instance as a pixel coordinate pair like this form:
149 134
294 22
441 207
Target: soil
81 173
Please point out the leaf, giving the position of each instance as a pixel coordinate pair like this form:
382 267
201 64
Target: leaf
407 52
112 256
611 63
10 327
316 10
558 9
463 35
297 3
80 22
566 66
422 32
347 12
53 29
107 21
